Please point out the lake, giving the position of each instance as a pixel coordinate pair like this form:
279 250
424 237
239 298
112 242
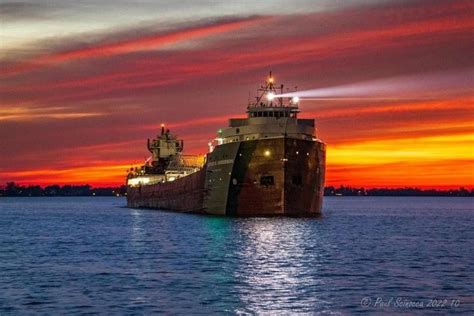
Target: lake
364 255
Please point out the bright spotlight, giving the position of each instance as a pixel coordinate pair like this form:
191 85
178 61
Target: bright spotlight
295 99
270 96
267 153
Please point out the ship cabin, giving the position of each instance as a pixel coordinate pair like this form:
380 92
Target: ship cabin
273 114
167 163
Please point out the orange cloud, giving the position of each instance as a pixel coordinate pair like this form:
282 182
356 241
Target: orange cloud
443 174
99 175
24 113
430 161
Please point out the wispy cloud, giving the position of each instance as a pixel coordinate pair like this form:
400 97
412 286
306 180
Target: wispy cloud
142 43
18 113
22 10
115 86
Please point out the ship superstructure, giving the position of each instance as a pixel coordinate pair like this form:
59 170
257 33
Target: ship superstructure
269 163
166 164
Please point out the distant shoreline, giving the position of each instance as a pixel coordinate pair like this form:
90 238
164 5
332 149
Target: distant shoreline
12 189
122 196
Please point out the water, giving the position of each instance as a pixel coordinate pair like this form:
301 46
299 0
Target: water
91 255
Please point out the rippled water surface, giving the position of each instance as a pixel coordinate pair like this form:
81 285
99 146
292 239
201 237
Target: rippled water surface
92 255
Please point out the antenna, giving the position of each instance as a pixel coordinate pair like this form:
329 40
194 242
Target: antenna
281 92
268 94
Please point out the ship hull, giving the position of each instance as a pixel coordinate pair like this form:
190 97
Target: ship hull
182 195
266 177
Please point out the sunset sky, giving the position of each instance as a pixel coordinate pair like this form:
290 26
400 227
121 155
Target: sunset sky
83 84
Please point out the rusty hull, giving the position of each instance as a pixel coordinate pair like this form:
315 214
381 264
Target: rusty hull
265 177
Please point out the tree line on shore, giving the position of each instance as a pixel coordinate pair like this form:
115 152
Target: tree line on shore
12 189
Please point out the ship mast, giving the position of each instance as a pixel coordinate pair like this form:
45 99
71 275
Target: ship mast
267 92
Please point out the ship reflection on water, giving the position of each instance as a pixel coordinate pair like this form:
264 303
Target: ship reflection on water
276 262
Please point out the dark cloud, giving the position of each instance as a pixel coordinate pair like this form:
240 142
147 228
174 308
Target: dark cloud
18 11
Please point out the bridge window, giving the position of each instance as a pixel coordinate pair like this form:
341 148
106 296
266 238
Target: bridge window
265 114
237 130
267 180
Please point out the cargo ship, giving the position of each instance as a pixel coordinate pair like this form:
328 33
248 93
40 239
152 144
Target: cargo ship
270 163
